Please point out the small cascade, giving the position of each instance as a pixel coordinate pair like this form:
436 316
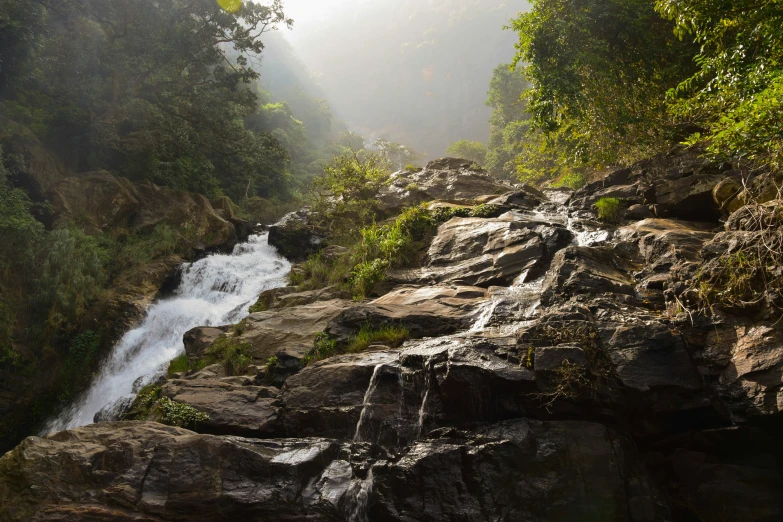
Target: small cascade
424 399
214 291
358 499
366 415
585 236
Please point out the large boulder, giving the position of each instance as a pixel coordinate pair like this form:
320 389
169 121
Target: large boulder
583 271
519 470
446 179
135 471
484 252
233 409
294 237
288 334
423 310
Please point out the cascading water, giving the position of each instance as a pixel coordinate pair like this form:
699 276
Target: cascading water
214 291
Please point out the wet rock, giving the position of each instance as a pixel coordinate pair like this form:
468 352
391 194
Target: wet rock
288 333
424 311
146 471
447 179
744 359
293 236
527 197
233 409
586 271
689 197
724 473
481 252
327 397
481 478
649 355
548 358
638 212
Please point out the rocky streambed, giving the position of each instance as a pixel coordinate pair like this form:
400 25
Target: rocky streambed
557 370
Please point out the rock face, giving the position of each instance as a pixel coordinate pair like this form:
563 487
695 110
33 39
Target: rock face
232 409
587 387
99 201
446 179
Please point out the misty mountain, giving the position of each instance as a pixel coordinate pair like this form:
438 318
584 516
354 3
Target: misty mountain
413 72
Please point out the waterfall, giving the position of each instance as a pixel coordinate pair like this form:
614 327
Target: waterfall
366 405
214 291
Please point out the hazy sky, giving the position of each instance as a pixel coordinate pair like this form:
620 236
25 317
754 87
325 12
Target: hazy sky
307 13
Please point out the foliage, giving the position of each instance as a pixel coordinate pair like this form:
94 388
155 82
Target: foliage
272 363
474 151
71 277
748 274
572 179
737 91
395 155
599 72
509 119
323 348
608 210
344 195
152 90
175 413
144 403
380 248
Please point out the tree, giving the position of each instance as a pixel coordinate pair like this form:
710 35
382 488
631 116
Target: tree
599 72
152 90
737 91
474 151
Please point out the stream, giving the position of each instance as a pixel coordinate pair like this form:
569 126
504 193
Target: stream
214 291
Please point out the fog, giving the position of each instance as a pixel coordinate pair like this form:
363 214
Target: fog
412 71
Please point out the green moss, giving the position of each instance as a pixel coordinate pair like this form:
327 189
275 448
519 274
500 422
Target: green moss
180 364
325 347
143 405
608 210
391 335
232 353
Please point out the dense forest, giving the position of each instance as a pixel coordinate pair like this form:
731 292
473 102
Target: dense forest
609 83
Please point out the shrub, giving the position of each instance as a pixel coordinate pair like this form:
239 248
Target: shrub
344 195
272 363
175 413
142 406
232 353
608 210
572 180
366 276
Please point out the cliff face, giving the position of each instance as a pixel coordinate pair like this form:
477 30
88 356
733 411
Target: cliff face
558 369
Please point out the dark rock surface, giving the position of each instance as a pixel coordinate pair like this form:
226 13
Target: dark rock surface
584 388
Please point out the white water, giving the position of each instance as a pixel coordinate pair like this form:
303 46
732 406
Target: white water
214 291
